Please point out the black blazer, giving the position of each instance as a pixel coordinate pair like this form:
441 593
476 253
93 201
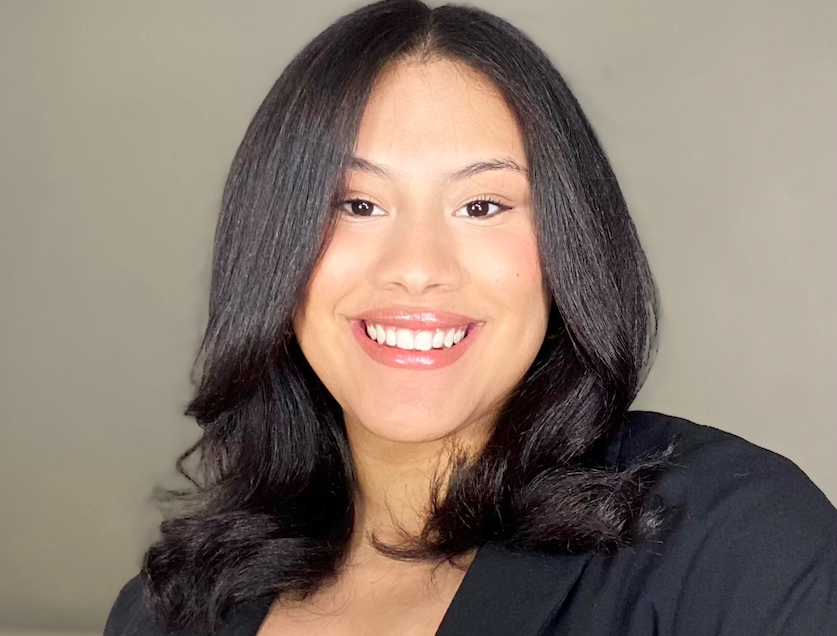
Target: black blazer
753 552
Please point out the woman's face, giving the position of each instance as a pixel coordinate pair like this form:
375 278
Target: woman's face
420 241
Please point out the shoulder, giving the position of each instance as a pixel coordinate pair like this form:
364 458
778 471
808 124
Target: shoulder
754 540
714 471
129 615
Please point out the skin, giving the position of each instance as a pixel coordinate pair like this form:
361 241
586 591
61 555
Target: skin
422 246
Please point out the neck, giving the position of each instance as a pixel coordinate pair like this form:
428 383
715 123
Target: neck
394 483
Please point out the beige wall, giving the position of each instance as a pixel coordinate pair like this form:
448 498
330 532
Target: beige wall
119 121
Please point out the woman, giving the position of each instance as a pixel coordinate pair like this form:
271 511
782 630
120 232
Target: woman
429 315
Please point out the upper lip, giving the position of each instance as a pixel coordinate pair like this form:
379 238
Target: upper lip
415 318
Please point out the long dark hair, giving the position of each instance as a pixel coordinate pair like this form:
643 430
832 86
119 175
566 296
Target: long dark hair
271 507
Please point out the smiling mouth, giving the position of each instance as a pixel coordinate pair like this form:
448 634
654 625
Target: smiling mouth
393 351
416 339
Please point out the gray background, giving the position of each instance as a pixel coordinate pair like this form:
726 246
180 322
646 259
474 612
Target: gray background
119 121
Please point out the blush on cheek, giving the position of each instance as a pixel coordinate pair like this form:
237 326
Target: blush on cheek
512 266
339 270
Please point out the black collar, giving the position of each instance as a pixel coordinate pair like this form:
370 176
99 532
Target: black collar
515 592
510 592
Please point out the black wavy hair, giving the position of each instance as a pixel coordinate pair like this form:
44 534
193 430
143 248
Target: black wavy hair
271 509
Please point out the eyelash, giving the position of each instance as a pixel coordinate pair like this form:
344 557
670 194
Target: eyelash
481 199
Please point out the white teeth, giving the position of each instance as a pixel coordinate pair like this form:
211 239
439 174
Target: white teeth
449 338
423 341
410 340
405 339
438 339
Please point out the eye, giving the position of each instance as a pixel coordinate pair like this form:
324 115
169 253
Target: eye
358 207
476 208
481 206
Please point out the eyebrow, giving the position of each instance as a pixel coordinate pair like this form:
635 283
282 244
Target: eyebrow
496 163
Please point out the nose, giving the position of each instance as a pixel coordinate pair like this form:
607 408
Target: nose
418 254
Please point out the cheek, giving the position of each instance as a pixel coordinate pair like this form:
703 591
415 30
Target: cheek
507 266
338 271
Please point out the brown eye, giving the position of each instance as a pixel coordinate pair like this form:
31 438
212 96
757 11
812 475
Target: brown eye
478 208
481 208
357 207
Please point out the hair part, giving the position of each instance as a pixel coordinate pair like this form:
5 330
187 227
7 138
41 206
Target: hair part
271 511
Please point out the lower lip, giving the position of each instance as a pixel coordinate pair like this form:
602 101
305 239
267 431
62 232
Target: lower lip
402 359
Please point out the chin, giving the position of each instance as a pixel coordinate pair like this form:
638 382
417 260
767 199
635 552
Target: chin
410 427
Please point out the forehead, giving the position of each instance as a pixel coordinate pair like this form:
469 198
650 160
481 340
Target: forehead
435 117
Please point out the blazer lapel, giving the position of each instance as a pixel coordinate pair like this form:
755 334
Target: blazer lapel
515 592
510 592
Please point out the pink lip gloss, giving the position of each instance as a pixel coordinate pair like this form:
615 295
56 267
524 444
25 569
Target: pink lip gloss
402 359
